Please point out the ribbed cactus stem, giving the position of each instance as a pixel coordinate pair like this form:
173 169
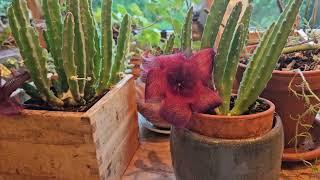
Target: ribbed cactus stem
262 74
231 69
106 45
300 47
31 49
46 39
69 56
222 72
245 20
122 48
53 35
186 39
258 57
213 23
88 26
169 45
81 62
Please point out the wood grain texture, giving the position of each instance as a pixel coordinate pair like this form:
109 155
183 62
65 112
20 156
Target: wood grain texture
152 161
98 144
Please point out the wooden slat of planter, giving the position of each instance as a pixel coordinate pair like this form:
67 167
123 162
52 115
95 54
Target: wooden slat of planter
56 128
52 161
117 135
72 146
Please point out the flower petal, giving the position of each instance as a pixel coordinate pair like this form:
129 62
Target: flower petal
155 86
205 99
161 61
176 111
203 61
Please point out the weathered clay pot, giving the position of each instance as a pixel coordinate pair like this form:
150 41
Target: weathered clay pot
197 157
233 127
288 106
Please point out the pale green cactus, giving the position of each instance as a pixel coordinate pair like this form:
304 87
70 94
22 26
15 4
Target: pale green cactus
186 35
262 63
75 48
233 40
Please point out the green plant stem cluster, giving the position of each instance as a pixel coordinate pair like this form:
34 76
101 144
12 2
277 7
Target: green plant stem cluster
233 40
85 67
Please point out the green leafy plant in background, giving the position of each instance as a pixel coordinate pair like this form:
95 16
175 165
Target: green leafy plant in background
4 4
151 17
85 68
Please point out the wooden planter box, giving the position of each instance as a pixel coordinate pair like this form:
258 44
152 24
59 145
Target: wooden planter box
97 144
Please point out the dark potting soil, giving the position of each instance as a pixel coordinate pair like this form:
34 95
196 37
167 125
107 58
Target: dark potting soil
258 107
304 60
36 104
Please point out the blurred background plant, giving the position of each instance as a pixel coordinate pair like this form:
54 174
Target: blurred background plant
4 28
150 18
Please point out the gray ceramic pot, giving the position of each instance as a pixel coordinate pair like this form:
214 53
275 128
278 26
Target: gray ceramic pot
197 157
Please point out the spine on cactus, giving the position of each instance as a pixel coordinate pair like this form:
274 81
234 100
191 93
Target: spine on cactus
31 50
227 58
74 7
259 76
169 45
186 39
69 56
106 45
53 36
122 48
213 23
88 26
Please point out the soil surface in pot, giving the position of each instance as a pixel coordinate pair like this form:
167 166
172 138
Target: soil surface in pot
36 104
258 107
304 60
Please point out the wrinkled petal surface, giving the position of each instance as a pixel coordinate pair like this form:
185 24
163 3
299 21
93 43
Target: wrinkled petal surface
176 111
202 62
182 84
205 99
155 85
161 61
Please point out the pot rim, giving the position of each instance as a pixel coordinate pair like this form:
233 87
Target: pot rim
211 140
241 117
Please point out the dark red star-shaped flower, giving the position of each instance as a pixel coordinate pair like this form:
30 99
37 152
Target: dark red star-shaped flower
181 84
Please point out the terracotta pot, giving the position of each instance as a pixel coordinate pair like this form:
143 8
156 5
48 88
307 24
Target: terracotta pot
287 104
149 110
233 127
197 157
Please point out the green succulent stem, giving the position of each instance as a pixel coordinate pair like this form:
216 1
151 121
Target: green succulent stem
226 58
123 41
32 52
80 44
257 75
69 56
169 45
89 29
186 40
83 60
53 36
213 22
106 45
300 47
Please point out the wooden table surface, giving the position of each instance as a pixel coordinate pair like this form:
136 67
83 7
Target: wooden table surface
152 161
